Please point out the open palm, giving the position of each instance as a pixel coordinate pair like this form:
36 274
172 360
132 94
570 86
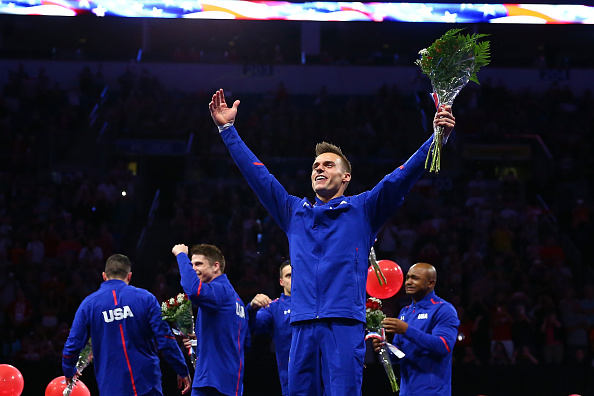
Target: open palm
219 111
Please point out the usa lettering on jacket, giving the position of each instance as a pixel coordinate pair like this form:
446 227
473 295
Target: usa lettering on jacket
239 310
117 314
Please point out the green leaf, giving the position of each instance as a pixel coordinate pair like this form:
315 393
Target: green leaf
454 54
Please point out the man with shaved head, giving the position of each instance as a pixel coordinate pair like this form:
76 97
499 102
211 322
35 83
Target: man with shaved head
128 335
425 331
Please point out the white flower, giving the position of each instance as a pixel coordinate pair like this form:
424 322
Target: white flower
423 52
172 301
164 305
376 300
180 298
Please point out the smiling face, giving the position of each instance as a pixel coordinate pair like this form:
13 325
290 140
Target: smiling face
205 271
328 177
420 281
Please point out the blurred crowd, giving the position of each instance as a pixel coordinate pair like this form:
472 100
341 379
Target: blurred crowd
59 222
511 238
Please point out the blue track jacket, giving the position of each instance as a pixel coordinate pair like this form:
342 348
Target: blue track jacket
125 325
428 344
329 242
222 330
274 321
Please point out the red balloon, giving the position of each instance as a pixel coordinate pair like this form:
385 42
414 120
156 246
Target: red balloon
11 381
57 386
394 279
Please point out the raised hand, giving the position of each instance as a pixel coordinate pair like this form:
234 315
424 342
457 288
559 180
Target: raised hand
181 248
445 118
220 113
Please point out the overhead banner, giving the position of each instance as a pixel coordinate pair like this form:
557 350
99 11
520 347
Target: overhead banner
311 11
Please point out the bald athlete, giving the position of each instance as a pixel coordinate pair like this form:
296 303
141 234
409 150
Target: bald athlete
425 331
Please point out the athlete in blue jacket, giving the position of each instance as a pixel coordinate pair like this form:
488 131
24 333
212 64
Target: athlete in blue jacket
124 323
272 318
221 324
426 332
329 241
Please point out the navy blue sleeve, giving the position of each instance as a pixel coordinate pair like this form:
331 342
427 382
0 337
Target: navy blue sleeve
387 196
397 340
166 341
247 343
261 320
442 338
77 339
205 295
271 193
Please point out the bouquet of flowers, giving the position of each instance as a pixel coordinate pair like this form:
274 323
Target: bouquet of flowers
450 62
373 318
373 314
84 359
178 311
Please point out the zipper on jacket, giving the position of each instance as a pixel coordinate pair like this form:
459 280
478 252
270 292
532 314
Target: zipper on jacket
320 255
357 270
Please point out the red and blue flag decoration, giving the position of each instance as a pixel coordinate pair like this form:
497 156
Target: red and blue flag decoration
309 11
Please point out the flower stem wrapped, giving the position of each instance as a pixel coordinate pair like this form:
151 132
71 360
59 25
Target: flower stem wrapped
381 278
384 356
451 62
374 317
84 359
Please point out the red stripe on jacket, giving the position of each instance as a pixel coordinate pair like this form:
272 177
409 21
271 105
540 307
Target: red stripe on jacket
115 301
127 359
240 362
445 343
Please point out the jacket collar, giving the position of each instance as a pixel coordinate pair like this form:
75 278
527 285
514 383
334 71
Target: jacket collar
428 300
283 296
220 278
336 200
113 283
